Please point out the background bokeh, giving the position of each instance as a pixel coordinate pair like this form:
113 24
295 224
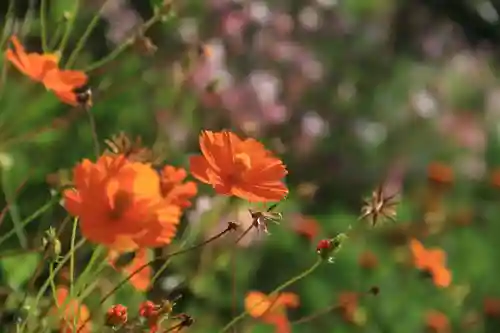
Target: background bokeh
353 94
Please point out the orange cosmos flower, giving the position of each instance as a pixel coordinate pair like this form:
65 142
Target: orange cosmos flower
437 322
65 85
491 307
348 303
440 173
141 280
33 65
431 260
368 260
44 68
119 204
271 309
243 168
173 189
75 316
307 226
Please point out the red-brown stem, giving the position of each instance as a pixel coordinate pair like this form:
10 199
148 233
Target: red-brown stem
229 228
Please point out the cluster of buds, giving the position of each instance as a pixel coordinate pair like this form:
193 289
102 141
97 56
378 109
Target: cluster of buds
150 316
116 316
328 248
154 313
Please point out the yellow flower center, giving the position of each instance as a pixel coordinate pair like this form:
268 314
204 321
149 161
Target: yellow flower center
242 162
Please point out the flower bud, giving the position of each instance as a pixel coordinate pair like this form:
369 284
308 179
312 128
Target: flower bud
116 315
327 248
51 244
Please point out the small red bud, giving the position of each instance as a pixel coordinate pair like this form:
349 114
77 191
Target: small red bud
151 312
148 309
324 249
116 315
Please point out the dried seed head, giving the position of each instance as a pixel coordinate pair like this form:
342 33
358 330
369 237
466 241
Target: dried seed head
379 207
260 220
51 244
134 150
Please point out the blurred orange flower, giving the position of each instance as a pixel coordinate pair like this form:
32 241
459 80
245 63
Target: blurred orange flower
491 307
65 83
44 68
431 260
33 65
243 168
119 204
348 302
440 173
75 316
271 309
368 260
173 189
142 280
495 178
306 226
437 322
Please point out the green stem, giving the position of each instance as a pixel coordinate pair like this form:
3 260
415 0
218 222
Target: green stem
8 20
85 36
229 228
43 23
69 27
72 258
52 283
283 286
56 36
116 52
30 218
51 277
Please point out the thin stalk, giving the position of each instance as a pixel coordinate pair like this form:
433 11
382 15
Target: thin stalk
43 24
283 286
81 42
69 27
116 52
52 275
229 228
8 20
30 218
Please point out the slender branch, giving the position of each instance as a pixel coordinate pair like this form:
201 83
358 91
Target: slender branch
230 227
276 291
234 286
81 43
43 23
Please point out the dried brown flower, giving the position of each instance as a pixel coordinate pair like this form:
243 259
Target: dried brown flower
379 207
122 144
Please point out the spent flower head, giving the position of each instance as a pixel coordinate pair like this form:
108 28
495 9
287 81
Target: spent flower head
51 244
379 207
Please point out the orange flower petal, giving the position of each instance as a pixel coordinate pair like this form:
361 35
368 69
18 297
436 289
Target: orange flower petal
33 65
142 280
441 277
199 168
241 168
120 205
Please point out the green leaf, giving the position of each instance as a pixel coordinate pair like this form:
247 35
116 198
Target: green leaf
17 271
